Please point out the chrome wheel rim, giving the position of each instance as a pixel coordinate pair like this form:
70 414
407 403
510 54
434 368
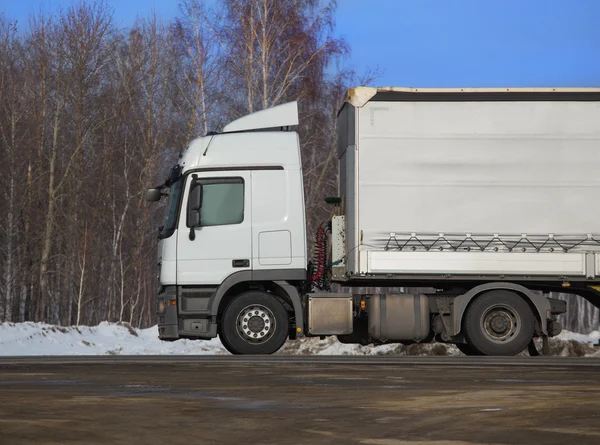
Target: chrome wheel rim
256 323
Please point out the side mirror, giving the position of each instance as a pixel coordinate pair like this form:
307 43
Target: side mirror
193 208
153 195
195 201
193 217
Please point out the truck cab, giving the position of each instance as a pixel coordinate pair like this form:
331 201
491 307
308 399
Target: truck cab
234 223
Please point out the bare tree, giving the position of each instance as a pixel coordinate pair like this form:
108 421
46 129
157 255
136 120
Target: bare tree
200 66
87 28
12 113
276 50
153 99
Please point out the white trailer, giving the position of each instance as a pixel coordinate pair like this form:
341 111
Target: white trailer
481 170
487 196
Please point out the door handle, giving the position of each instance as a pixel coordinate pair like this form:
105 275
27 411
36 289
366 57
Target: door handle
240 263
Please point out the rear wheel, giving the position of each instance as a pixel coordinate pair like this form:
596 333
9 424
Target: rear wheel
254 323
499 323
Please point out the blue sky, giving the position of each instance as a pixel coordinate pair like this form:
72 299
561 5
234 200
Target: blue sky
443 43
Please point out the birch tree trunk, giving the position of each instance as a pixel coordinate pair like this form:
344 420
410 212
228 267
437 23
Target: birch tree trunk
49 222
81 276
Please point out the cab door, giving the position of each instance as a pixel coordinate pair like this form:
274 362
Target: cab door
214 238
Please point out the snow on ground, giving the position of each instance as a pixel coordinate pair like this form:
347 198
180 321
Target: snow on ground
592 337
106 338
120 339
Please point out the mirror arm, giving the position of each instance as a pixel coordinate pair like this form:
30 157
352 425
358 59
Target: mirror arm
192 234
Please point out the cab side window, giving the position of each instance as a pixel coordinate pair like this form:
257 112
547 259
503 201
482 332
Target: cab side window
222 201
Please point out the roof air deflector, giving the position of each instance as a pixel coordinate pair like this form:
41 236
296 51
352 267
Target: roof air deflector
285 115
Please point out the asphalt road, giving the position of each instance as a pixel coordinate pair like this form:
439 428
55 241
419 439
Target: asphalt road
299 400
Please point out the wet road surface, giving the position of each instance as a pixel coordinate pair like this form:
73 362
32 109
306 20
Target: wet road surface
299 400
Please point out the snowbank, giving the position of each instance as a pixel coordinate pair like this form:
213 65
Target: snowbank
592 337
29 338
106 338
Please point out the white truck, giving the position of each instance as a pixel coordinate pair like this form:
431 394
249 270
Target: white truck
487 197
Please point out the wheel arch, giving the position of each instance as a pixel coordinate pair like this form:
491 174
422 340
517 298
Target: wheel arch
277 282
538 303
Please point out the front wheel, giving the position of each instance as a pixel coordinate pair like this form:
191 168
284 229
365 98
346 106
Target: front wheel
254 323
499 323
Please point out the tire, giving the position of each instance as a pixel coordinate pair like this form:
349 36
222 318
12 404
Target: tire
263 324
467 349
499 323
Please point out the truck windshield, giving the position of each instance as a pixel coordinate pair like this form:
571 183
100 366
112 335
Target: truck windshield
171 209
